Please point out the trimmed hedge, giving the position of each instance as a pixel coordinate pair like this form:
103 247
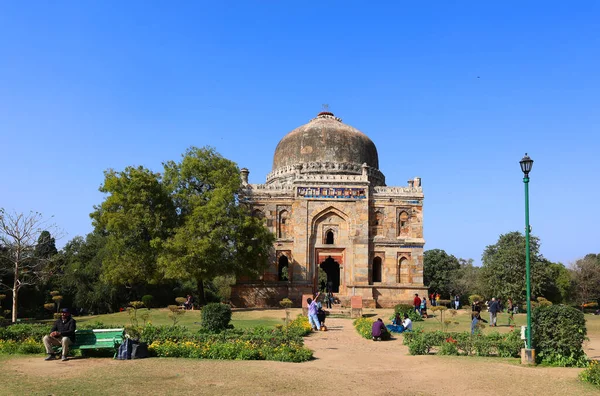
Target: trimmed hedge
21 332
558 332
453 343
216 317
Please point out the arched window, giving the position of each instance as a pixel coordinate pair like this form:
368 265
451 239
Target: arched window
329 238
378 218
403 224
283 224
377 269
402 274
378 223
283 268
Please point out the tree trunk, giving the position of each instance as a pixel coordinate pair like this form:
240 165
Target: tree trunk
15 290
15 294
201 297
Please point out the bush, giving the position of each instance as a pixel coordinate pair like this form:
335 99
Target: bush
231 350
27 346
364 326
180 300
542 302
591 374
402 309
147 300
475 297
495 344
216 317
416 342
449 347
558 332
299 326
20 332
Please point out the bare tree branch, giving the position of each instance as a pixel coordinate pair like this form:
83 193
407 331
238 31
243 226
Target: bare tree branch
19 237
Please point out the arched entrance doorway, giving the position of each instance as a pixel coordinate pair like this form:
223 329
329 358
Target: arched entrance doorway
332 269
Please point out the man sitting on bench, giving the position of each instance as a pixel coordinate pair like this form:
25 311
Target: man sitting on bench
62 333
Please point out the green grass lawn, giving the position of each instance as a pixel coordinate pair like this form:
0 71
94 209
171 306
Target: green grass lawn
189 319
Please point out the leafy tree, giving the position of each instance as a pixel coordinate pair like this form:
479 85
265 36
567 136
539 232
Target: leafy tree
24 257
46 246
439 270
215 234
586 276
136 217
503 269
558 286
80 274
467 279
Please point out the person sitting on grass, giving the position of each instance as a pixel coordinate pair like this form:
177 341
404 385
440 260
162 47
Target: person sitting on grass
407 323
61 334
378 331
189 303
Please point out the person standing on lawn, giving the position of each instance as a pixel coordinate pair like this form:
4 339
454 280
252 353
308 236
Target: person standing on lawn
493 309
62 333
417 304
511 310
313 309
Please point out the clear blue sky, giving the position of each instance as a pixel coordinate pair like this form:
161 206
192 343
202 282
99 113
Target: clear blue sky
453 92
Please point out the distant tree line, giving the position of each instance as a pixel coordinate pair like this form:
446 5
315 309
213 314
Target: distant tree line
167 234
502 274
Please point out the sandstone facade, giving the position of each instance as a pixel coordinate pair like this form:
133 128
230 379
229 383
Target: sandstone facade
327 203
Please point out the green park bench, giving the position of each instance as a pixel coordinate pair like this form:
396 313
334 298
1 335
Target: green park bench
97 339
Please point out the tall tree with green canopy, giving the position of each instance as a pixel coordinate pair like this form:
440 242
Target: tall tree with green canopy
558 285
136 217
80 272
439 271
503 269
467 279
215 233
46 246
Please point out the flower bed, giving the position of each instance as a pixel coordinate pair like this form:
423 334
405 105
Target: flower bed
364 327
591 374
452 343
282 343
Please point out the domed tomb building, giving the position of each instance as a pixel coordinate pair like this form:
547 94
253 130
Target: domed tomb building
327 204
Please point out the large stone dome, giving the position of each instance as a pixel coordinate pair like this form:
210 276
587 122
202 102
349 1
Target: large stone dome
325 145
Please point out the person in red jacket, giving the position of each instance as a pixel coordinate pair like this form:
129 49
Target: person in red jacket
417 304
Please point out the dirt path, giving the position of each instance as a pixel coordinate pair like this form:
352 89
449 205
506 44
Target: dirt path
344 363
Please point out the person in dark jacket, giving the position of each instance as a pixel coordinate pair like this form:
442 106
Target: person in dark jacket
62 333
493 309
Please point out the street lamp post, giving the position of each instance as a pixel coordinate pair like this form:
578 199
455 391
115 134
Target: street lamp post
526 164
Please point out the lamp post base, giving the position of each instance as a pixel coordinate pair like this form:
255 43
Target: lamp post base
528 356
